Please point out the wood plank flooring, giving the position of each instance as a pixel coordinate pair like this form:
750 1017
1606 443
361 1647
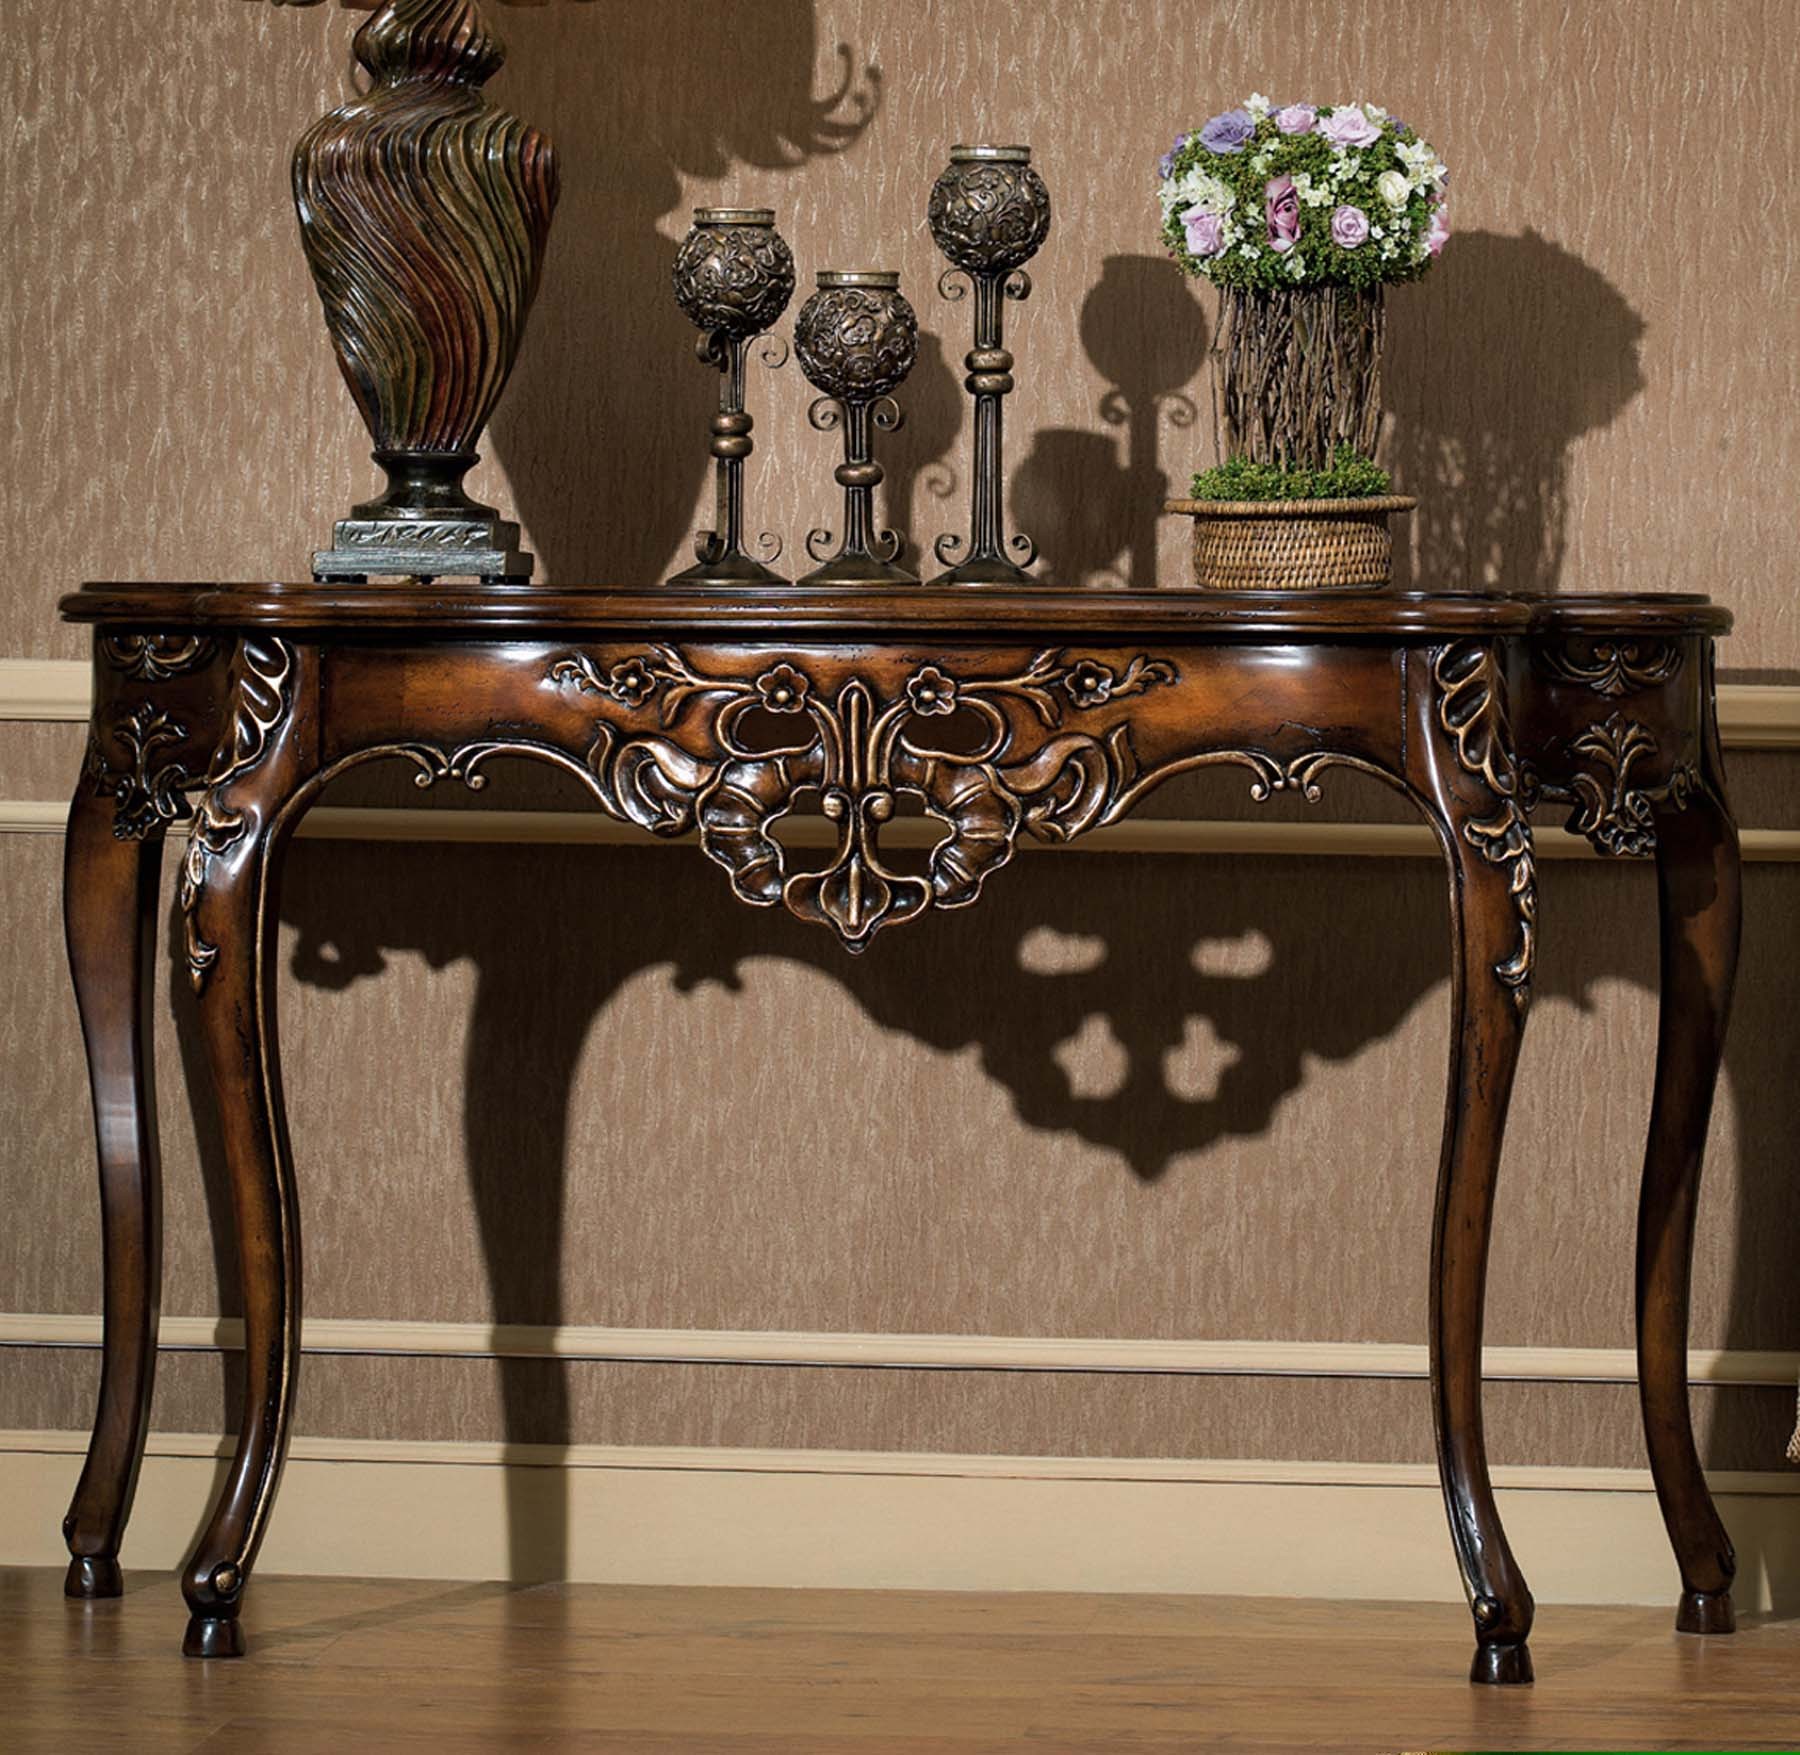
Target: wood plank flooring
352 1665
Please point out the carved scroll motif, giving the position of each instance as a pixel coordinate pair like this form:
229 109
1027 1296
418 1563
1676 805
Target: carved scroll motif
1471 712
1614 667
260 701
1617 817
156 657
859 749
152 791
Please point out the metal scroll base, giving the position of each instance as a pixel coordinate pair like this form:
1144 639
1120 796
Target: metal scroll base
424 527
439 548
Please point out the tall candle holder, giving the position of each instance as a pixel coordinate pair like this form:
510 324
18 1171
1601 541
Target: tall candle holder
733 277
856 339
989 213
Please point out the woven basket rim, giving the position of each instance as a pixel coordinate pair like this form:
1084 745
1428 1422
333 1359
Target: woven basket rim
1291 508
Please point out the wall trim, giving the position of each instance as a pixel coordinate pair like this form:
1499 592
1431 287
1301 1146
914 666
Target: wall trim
868 1520
1752 716
58 689
902 1464
1149 835
918 1352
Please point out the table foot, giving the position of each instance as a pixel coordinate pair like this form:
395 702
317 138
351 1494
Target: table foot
1502 1665
213 1636
1706 1611
92 1576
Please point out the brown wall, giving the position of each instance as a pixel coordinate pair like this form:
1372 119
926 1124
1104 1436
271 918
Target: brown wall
549 1084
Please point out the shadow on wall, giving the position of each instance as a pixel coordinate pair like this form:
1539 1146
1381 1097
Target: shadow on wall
1497 362
1092 501
1148 1031
603 443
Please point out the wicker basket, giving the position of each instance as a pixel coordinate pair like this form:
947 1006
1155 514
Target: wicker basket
1292 545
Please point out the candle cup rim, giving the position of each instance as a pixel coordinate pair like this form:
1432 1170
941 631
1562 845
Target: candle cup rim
1014 155
734 216
882 279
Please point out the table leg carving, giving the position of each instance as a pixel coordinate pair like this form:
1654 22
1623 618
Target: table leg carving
1699 892
1464 769
229 897
110 891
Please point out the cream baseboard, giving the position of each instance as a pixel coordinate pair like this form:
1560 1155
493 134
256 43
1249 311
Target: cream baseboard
1151 835
1762 716
865 1520
927 1352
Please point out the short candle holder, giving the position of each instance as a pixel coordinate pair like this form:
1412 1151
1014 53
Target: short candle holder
856 339
733 278
989 213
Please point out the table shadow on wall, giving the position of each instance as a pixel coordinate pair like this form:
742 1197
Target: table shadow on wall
603 431
1205 1023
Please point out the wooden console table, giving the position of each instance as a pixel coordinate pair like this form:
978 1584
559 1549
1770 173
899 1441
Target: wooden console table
1007 712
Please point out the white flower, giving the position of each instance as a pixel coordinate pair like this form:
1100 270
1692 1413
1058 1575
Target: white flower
1196 188
1393 188
1258 105
1296 266
1375 113
1422 163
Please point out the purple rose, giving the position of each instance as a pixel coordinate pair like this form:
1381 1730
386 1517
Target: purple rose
1226 133
1349 227
1437 234
1281 202
1205 232
1348 126
1296 119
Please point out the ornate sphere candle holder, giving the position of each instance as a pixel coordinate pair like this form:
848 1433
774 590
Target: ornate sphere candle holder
856 339
989 213
733 277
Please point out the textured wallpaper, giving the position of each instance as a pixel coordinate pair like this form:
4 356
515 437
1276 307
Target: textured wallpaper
1142 1097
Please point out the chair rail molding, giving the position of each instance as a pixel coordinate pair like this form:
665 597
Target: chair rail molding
919 1352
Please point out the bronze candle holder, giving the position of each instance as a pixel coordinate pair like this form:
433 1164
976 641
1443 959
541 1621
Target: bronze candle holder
856 339
989 213
733 277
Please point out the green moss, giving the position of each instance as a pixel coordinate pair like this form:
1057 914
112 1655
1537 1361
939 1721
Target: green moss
1349 476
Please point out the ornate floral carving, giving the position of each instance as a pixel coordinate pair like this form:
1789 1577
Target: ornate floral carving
859 748
1613 667
856 343
155 657
733 279
260 701
1617 817
1471 712
152 791
989 215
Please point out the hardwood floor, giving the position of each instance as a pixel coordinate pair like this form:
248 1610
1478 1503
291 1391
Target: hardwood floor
352 1665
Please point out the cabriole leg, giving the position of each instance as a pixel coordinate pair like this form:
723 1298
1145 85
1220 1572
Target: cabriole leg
229 902
110 890
1467 773
1699 890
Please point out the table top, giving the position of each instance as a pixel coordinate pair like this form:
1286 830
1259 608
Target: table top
463 610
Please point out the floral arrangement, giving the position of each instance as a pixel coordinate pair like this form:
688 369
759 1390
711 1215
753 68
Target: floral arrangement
1267 196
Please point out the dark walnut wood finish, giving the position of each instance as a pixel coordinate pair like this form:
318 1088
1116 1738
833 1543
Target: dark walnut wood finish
1006 712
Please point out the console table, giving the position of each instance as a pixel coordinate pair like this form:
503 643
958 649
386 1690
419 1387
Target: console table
1006 712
